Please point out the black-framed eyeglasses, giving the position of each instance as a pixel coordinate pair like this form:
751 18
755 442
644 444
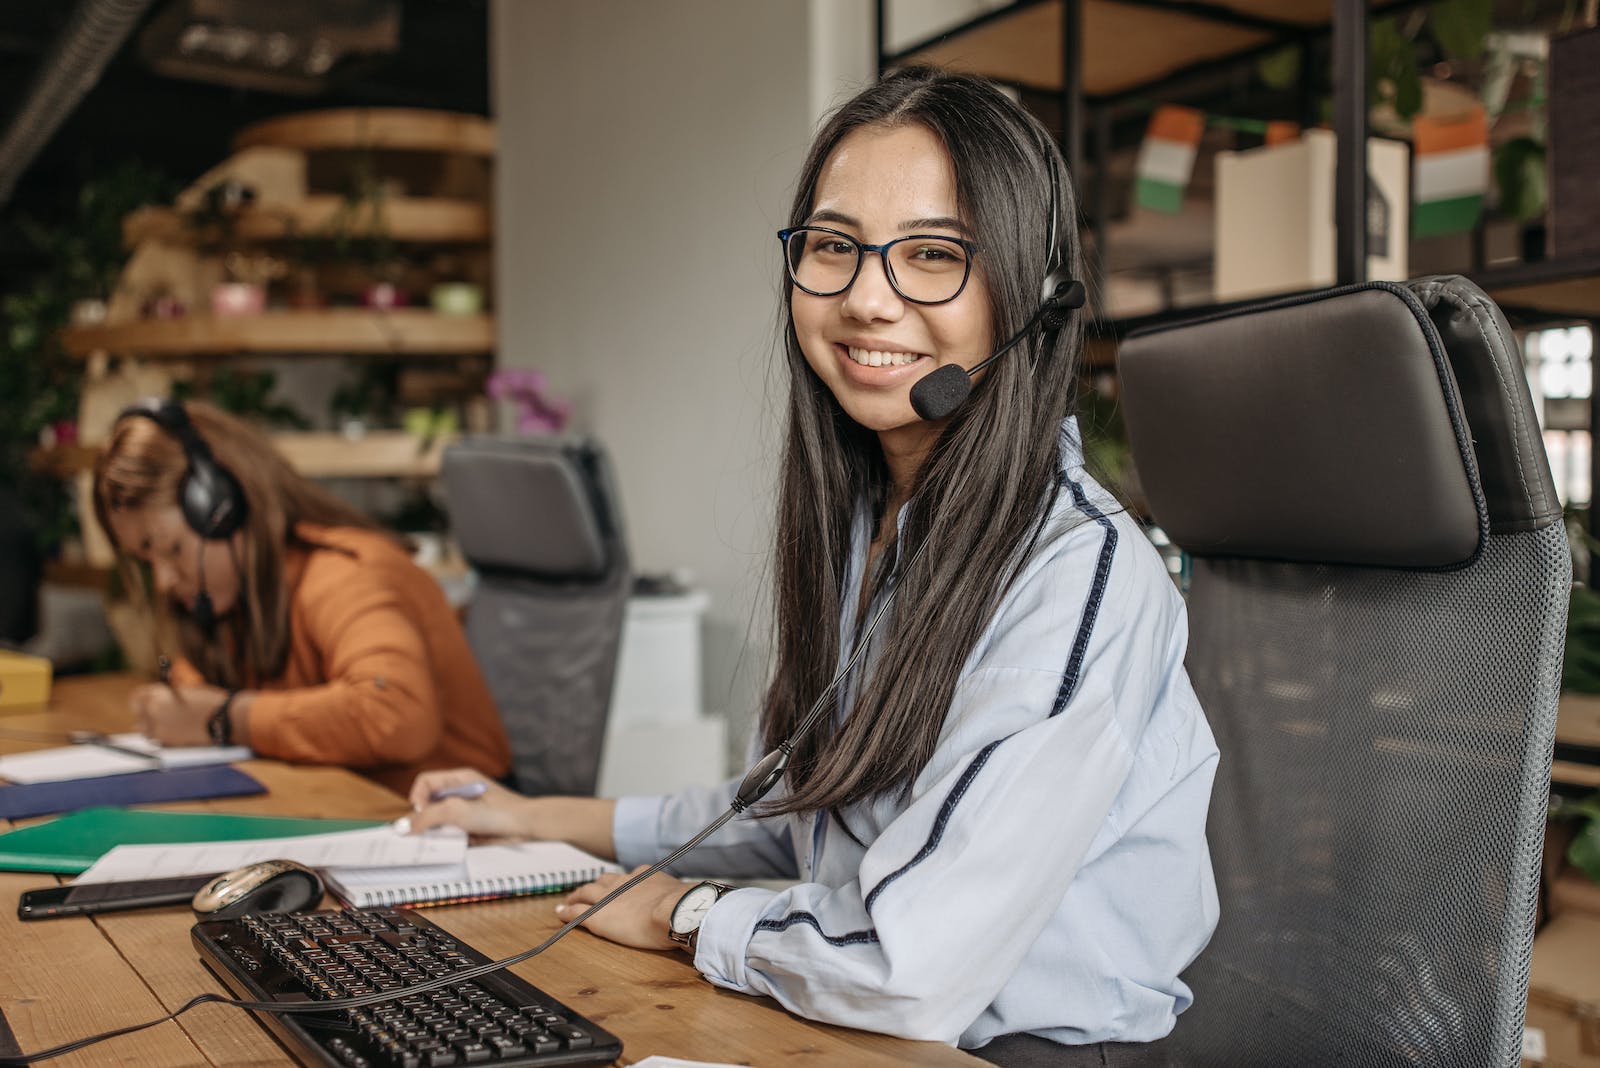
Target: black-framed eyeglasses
922 268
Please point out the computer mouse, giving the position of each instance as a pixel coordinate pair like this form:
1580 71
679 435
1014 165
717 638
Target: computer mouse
267 886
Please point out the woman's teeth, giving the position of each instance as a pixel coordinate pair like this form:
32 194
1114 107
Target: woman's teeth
874 358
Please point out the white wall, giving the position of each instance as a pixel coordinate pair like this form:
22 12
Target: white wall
646 156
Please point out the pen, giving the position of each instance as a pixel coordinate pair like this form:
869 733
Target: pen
467 790
103 741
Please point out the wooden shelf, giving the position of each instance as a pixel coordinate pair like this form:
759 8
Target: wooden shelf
1577 730
78 575
315 454
374 128
1578 722
1560 288
63 461
409 219
354 331
376 454
1021 44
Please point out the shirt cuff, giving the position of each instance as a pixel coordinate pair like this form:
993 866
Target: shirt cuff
635 831
725 935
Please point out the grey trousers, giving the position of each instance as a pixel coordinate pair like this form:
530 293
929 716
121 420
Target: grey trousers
1031 1051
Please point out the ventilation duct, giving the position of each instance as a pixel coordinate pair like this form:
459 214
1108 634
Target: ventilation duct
68 71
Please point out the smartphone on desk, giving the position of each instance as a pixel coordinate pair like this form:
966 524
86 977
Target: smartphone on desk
73 899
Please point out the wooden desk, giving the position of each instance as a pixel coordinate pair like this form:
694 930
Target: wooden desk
66 978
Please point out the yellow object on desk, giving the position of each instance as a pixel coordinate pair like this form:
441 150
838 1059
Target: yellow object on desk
24 682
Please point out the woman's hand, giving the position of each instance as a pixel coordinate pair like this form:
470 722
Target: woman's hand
176 715
497 813
502 813
639 918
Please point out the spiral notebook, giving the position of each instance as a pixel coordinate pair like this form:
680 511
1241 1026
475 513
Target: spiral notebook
489 871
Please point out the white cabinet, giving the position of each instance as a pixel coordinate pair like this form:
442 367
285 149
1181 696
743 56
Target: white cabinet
658 738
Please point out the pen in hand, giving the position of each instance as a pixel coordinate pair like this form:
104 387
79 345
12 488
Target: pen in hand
468 790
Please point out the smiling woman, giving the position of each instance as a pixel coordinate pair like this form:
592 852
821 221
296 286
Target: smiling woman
998 822
305 632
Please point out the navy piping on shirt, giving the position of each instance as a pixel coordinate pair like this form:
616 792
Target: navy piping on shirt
1069 683
868 935
1097 592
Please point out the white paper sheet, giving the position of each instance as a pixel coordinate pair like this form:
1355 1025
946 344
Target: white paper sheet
71 762
376 847
92 761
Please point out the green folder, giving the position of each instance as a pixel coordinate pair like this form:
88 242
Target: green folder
70 844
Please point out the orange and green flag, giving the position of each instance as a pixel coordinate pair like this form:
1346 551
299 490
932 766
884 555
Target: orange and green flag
1166 158
1450 172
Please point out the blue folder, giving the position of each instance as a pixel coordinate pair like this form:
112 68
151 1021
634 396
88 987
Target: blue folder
135 788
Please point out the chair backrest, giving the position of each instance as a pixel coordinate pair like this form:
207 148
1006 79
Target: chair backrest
538 521
1377 619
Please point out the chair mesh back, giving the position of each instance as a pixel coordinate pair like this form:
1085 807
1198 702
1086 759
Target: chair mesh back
539 522
550 659
1378 815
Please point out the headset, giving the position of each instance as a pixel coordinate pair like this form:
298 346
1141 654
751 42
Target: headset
210 497
940 392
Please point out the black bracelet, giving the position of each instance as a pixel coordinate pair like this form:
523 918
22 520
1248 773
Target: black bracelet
219 726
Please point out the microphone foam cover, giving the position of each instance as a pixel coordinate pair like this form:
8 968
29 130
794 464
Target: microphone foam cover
941 391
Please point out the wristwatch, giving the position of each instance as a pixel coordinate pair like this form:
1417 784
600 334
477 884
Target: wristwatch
220 726
691 909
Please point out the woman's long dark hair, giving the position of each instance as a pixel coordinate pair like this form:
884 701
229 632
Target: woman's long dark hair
983 489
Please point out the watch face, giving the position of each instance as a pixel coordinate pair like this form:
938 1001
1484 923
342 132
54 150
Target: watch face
692 907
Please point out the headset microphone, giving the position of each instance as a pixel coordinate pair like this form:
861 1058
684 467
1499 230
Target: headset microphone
204 613
941 391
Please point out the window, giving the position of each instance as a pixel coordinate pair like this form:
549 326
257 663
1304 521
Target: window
1560 368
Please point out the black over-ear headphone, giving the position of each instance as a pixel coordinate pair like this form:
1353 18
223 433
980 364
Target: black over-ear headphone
212 501
940 392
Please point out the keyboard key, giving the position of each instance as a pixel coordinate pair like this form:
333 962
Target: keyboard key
572 1037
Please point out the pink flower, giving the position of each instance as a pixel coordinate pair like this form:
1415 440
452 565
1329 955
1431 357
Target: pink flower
524 388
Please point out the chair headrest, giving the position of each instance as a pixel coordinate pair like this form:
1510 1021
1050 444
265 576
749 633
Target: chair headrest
536 506
1325 428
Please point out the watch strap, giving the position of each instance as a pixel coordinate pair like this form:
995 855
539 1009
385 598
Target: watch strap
220 725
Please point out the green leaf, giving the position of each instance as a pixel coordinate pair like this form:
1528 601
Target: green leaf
1407 91
1281 69
1520 177
1460 26
1584 852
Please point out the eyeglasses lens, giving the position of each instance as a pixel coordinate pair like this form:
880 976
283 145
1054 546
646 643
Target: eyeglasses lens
928 270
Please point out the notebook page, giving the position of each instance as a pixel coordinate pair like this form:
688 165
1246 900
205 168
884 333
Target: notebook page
554 862
378 846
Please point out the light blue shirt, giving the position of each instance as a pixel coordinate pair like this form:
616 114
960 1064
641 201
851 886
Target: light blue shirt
1048 872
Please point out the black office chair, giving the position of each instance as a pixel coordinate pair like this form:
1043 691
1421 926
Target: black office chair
538 521
1377 614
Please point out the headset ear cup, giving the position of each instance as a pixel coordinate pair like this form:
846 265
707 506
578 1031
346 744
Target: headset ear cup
1062 295
213 502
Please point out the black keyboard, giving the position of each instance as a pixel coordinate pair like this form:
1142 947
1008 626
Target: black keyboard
496 1019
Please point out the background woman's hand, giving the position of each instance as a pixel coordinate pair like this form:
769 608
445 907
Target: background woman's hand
639 918
176 715
498 813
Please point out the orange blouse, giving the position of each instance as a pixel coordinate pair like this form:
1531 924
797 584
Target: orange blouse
380 677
